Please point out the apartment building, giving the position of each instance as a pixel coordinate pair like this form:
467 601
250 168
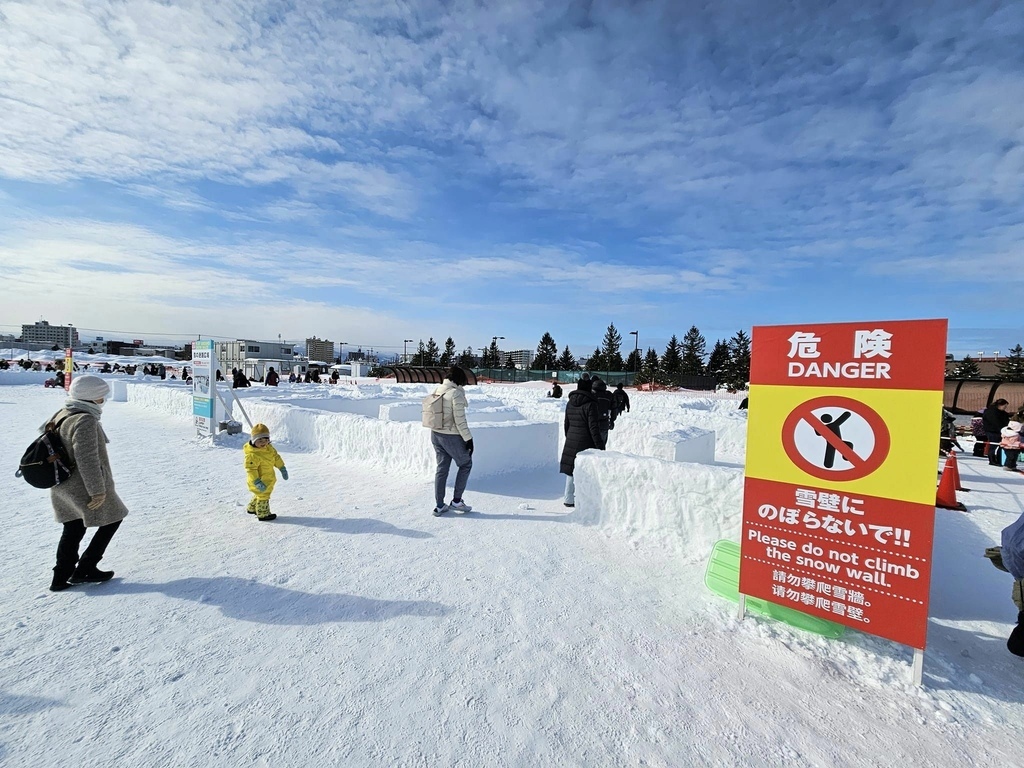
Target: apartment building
322 350
42 332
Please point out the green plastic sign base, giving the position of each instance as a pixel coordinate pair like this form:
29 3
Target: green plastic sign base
723 578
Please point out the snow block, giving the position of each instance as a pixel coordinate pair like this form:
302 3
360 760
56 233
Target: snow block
404 446
686 444
21 376
653 502
411 410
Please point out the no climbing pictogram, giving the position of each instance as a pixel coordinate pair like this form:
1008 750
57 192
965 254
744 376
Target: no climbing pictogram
835 438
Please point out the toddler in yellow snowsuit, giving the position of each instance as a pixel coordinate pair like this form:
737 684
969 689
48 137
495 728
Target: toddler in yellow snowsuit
260 459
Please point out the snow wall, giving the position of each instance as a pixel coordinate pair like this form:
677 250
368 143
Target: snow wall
329 426
650 501
21 376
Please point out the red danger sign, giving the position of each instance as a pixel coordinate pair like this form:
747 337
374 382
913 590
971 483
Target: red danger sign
835 438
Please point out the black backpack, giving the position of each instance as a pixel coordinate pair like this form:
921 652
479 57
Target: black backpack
46 463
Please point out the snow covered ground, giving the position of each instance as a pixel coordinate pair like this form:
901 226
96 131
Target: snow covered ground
357 629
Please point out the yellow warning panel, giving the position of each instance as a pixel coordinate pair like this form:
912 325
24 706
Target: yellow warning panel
879 442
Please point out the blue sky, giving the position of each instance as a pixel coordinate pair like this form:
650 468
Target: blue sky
371 171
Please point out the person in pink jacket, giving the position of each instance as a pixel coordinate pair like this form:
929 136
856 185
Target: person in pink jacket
1010 443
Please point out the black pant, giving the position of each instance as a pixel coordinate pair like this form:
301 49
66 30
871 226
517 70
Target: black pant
993 446
1011 457
67 549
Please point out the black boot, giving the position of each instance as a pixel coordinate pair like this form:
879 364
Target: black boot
60 579
1015 643
88 573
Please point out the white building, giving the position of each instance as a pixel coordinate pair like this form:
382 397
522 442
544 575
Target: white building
521 358
44 333
254 357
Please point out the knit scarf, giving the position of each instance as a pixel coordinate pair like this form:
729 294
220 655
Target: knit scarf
83 406
71 405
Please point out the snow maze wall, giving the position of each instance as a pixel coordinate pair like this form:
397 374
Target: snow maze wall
672 474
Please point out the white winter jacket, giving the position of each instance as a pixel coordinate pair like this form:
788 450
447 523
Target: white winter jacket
453 410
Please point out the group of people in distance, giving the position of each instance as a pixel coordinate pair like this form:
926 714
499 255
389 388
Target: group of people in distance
590 414
88 498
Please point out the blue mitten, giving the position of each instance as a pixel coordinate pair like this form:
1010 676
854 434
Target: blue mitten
259 485
284 472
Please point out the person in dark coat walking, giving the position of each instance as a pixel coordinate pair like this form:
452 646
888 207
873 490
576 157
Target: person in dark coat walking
621 400
995 417
272 377
582 427
607 403
88 498
238 379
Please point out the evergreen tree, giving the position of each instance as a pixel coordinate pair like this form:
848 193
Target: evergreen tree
1012 367
595 363
566 362
694 349
448 358
510 364
421 354
718 361
634 362
547 354
966 369
432 352
611 349
493 355
738 370
467 359
671 363
649 370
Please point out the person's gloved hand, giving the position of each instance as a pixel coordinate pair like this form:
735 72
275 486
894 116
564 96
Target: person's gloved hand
96 501
469 447
259 485
284 472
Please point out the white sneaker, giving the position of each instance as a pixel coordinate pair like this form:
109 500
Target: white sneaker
460 506
438 511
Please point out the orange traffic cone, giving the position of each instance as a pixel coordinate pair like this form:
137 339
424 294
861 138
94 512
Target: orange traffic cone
951 462
945 497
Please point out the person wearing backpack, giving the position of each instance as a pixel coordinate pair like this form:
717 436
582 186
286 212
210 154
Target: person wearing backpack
88 498
451 438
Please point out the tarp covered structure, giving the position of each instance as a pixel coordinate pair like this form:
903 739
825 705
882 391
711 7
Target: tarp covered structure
429 374
973 395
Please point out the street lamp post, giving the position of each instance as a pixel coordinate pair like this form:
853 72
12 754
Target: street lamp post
342 358
636 356
405 351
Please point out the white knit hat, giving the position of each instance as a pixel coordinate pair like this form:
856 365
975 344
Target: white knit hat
89 388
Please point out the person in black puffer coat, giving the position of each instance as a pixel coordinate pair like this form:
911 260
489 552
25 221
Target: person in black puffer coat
607 402
582 431
994 418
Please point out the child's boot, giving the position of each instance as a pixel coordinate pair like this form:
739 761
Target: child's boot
251 509
263 510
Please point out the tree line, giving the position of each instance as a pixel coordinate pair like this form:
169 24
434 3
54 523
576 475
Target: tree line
1011 368
728 361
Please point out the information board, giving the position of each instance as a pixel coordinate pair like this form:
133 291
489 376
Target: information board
204 398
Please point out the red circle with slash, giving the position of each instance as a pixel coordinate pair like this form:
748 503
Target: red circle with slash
862 466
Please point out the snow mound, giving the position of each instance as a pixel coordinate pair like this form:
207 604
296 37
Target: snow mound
652 502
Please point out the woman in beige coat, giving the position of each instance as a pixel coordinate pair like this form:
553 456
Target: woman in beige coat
87 499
